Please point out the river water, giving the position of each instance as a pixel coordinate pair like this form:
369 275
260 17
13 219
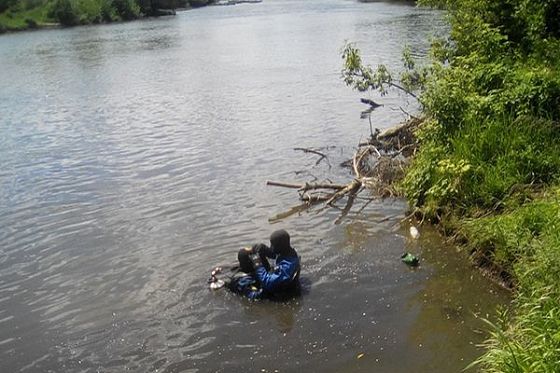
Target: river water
134 159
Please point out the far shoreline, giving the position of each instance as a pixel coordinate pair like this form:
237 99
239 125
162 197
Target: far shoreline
33 25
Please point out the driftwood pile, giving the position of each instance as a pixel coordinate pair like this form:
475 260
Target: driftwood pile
376 165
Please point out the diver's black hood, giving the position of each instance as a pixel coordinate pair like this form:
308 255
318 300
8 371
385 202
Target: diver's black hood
280 243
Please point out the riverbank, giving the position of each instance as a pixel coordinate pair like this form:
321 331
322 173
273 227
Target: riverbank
42 14
488 168
27 15
488 171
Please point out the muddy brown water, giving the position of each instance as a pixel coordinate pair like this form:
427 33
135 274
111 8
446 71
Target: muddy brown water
134 159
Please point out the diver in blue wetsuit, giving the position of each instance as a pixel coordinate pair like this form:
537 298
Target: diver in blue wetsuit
255 278
284 276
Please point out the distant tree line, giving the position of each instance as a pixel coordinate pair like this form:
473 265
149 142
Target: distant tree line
75 12
79 12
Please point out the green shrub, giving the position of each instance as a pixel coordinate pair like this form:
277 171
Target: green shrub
5 4
32 4
64 12
70 12
89 11
108 12
31 23
127 9
483 165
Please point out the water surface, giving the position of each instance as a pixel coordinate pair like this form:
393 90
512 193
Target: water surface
134 159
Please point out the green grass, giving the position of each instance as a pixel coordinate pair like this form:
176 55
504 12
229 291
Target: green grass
527 241
519 235
490 164
18 18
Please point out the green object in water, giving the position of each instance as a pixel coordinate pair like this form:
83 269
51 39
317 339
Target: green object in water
410 259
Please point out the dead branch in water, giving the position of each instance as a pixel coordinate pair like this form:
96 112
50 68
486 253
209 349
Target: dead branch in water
376 166
322 156
307 186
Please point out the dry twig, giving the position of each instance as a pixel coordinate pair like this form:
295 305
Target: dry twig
323 156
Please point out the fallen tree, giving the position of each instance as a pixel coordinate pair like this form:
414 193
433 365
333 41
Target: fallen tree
376 166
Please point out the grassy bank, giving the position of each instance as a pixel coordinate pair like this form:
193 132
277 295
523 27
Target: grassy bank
488 169
27 14
18 15
21 15
489 165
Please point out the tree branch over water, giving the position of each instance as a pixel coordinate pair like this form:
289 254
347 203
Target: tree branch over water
364 78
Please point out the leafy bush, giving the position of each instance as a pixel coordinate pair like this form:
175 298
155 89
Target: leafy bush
107 12
31 4
480 166
31 23
5 4
64 12
127 9
69 12
89 11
